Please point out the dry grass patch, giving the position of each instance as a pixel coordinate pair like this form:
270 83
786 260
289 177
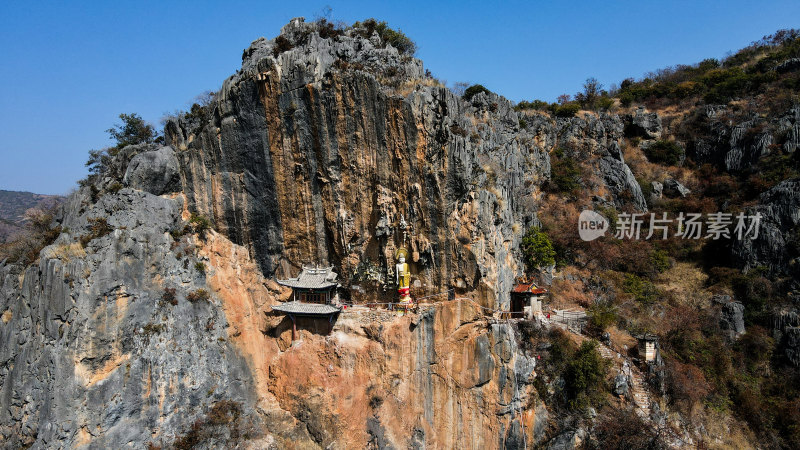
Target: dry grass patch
410 86
686 284
67 252
621 340
724 431
569 294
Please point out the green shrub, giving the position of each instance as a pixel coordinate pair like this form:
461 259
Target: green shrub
565 175
664 152
200 267
601 316
686 89
743 74
98 227
584 377
644 291
567 110
395 38
199 224
660 261
604 103
537 250
536 104
609 213
281 45
196 296
327 29
133 130
115 187
474 90
177 233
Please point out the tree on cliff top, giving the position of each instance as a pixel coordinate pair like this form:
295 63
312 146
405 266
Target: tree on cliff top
395 38
537 250
474 90
133 130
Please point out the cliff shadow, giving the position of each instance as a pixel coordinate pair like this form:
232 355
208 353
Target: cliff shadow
304 325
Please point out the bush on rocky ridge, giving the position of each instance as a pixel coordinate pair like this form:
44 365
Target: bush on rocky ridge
395 38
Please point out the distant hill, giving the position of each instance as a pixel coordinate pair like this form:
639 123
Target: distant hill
13 205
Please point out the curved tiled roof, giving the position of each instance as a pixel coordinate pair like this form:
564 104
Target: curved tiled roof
528 288
312 278
301 308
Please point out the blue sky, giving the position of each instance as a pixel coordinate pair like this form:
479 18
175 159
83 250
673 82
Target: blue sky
70 68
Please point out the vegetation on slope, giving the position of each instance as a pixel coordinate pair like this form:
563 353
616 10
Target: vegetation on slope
665 286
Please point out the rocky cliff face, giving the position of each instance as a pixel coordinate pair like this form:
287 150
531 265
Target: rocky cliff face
90 355
736 143
98 354
129 331
775 247
314 154
132 329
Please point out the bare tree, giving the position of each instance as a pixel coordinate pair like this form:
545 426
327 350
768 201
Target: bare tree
206 98
459 87
592 90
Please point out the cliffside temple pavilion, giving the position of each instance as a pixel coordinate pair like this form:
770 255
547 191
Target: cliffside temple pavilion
526 299
313 295
648 347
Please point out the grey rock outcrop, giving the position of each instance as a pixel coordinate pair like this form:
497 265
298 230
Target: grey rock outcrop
773 248
595 139
792 345
621 385
731 319
788 126
567 440
620 180
643 124
657 191
786 332
737 143
156 172
673 188
310 154
789 65
367 138
101 330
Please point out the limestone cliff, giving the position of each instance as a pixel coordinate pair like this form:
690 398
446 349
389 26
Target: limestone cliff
97 354
313 155
136 328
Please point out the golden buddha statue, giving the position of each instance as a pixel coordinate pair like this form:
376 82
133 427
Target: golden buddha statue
403 275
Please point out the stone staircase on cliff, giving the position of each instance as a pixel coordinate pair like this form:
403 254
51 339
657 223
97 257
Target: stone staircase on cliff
639 392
